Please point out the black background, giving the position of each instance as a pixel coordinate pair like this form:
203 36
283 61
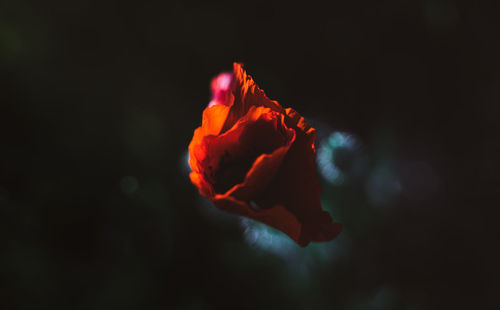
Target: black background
92 93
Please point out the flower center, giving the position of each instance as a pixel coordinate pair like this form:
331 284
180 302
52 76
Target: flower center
236 151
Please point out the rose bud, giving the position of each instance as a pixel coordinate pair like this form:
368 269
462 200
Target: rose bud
255 159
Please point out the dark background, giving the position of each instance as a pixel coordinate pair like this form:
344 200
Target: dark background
98 103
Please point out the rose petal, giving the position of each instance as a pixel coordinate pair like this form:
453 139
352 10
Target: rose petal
293 194
296 186
203 186
237 149
261 174
246 95
294 120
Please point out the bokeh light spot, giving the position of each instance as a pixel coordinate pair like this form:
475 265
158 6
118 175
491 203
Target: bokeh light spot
340 158
299 260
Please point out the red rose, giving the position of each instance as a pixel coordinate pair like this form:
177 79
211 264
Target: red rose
253 158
